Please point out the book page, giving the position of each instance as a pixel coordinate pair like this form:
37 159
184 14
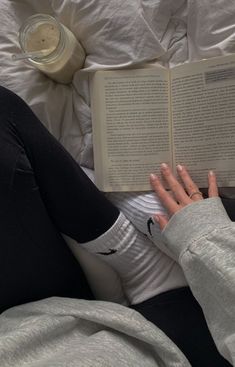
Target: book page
130 126
203 114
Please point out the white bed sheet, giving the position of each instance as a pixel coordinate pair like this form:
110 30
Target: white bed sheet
114 33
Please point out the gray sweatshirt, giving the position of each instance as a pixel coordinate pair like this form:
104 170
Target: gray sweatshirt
66 332
201 237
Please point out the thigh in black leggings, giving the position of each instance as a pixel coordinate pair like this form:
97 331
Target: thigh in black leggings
179 315
43 193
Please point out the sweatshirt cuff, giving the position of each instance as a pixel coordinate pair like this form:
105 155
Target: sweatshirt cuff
192 222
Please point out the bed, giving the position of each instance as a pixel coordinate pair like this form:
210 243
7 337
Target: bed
114 34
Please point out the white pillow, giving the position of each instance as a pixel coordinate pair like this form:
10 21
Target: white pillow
103 280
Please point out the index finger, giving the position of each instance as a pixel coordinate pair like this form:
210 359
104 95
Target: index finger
165 197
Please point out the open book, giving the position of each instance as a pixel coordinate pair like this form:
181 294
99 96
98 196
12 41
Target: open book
143 117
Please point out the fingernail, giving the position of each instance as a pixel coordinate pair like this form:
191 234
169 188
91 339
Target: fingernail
179 167
211 173
153 177
156 218
164 166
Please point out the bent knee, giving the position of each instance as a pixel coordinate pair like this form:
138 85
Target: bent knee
10 102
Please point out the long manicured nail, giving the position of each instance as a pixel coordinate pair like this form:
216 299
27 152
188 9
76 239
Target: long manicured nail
156 218
179 167
153 177
164 166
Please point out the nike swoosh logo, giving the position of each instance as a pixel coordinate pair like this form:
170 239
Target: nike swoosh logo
111 251
149 222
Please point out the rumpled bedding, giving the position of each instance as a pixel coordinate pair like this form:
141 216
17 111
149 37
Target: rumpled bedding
114 34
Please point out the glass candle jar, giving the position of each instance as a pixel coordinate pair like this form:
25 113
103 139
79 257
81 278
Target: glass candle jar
59 54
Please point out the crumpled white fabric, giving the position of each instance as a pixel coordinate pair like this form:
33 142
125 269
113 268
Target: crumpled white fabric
115 34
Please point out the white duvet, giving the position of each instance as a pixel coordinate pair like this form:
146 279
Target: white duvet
114 33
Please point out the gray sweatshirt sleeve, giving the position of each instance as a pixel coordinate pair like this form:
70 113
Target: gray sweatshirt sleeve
201 238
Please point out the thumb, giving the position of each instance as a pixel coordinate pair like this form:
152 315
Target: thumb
162 220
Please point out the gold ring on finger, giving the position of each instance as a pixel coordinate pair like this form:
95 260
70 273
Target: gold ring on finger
195 193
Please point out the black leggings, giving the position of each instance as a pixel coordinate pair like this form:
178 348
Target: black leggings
180 316
43 192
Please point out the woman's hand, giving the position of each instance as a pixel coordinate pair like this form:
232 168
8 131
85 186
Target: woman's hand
180 196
